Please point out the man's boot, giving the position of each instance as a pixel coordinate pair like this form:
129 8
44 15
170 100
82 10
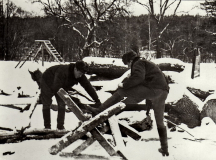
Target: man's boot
46 117
163 140
60 119
115 98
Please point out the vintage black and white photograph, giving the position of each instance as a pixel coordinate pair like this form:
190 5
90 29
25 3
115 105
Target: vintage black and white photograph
107 79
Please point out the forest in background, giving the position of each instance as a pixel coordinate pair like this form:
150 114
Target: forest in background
121 33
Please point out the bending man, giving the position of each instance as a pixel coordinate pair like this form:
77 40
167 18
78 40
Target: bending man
63 76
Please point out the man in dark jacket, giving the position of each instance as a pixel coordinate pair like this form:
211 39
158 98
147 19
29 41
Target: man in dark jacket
63 76
145 82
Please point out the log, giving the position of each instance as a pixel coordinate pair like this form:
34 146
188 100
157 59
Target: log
85 156
85 127
114 68
202 95
186 111
107 70
171 67
209 110
11 137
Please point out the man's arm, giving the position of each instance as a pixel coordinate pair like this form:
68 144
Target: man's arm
137 76
89 88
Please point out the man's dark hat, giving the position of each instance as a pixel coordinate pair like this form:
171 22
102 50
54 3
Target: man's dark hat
127 57
82 66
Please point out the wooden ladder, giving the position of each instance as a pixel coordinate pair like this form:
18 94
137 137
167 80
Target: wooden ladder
38 46
51 50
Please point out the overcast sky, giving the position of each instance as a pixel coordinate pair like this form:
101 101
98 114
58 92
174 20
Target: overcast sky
187 6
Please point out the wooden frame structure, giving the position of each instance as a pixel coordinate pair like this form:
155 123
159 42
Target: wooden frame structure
38 48
88 126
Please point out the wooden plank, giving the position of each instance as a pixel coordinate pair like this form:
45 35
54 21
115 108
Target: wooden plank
114 126
103 142
129 131
70 103
83 146
86 127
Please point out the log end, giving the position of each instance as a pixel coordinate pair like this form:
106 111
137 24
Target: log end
54 150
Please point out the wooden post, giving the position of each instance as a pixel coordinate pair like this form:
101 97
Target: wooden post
42 50
196 64
34 104
129 131
69 102
114 126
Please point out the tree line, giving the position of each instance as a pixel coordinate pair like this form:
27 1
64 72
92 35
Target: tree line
178 36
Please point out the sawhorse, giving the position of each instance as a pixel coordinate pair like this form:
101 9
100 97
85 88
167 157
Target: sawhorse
90 125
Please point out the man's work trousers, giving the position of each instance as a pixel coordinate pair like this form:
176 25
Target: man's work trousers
46 97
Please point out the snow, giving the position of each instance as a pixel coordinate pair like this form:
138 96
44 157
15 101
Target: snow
182 145
102 60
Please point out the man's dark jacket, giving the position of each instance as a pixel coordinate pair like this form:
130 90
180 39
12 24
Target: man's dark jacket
62 76
146 73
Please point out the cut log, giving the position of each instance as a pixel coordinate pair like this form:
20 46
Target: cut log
114 68
209 110
11 137
186 111
202 95
171 67
106 70
86 127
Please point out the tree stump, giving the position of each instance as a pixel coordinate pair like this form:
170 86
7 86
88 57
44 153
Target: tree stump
186 111
209 110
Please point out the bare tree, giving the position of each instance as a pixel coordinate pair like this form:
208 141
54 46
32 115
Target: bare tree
83 17
164 6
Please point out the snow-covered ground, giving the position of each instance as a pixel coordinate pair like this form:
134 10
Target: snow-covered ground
182 145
